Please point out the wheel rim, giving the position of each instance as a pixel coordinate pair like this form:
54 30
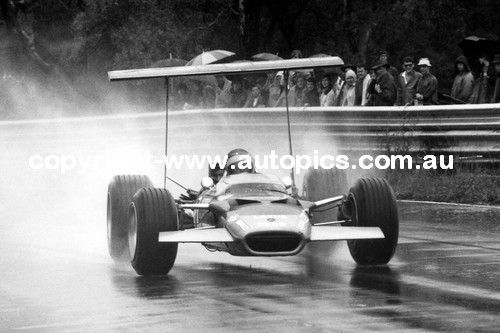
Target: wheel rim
109 218
353 209
132 231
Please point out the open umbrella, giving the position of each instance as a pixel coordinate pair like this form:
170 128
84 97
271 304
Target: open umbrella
476 46
318 72
347 66
170 62
320 55
210 57
265 57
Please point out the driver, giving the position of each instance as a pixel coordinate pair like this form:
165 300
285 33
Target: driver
239 161
233 167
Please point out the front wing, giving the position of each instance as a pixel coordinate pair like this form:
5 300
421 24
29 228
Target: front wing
318 233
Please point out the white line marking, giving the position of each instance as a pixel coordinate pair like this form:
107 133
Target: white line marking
449 204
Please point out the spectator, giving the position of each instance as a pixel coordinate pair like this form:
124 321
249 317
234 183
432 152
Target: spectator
348 94
208 98
382 88
369 90
180 98
184 99
328 91
337 81
296 54
293 75
482 92
383 57
276 91
297 93
222 92
239 95
256 99
312 96
341 80
408 80
496 91
462 86
362 85
427 88
266 86
195 94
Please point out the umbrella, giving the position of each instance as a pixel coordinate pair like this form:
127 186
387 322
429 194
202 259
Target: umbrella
318 73
320 55
347 66
474 45
210 57
204 79
188 81
265 57
172 62
246 78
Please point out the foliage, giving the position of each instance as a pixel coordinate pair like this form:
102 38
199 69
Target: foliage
470 185
135 33
87 37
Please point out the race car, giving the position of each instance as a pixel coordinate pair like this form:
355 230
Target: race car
245 214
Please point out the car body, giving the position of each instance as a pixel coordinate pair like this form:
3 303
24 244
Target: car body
253 214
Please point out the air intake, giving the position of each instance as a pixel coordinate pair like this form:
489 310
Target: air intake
274 242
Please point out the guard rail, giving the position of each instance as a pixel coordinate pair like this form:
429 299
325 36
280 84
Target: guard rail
466 131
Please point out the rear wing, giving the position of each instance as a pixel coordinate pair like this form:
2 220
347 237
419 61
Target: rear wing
234 68
225 69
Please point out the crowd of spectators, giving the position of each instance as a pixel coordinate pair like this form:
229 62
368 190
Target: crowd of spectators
351 85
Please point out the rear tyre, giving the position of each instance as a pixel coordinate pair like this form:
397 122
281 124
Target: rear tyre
371 203
121 189
320 184
152 210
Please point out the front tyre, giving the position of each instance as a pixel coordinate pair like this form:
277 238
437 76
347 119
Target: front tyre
152 210
121 189
321 184
371 203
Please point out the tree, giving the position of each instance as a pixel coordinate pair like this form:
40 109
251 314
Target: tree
77 41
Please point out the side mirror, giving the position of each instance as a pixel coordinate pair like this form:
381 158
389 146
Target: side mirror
287 181
207 182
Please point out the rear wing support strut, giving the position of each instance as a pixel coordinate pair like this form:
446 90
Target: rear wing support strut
292 171
167 88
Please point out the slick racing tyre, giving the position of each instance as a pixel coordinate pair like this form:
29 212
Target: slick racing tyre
371 203
152 210
121 189
320 184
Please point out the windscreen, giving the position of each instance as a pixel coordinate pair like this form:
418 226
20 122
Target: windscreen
255 189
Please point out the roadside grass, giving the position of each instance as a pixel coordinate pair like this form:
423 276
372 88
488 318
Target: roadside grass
468 185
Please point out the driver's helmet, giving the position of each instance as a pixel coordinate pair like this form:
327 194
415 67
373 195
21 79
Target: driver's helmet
233 165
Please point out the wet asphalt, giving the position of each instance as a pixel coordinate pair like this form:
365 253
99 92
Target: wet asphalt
56 276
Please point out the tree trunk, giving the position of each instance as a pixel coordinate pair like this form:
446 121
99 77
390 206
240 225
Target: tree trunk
364 38
20 49
249 14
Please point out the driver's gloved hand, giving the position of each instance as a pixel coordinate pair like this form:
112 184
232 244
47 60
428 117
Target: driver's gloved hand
191 195
185 197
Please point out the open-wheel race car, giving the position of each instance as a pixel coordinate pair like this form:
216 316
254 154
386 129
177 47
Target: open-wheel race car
246 213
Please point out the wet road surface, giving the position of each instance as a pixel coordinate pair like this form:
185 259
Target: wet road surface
56 276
